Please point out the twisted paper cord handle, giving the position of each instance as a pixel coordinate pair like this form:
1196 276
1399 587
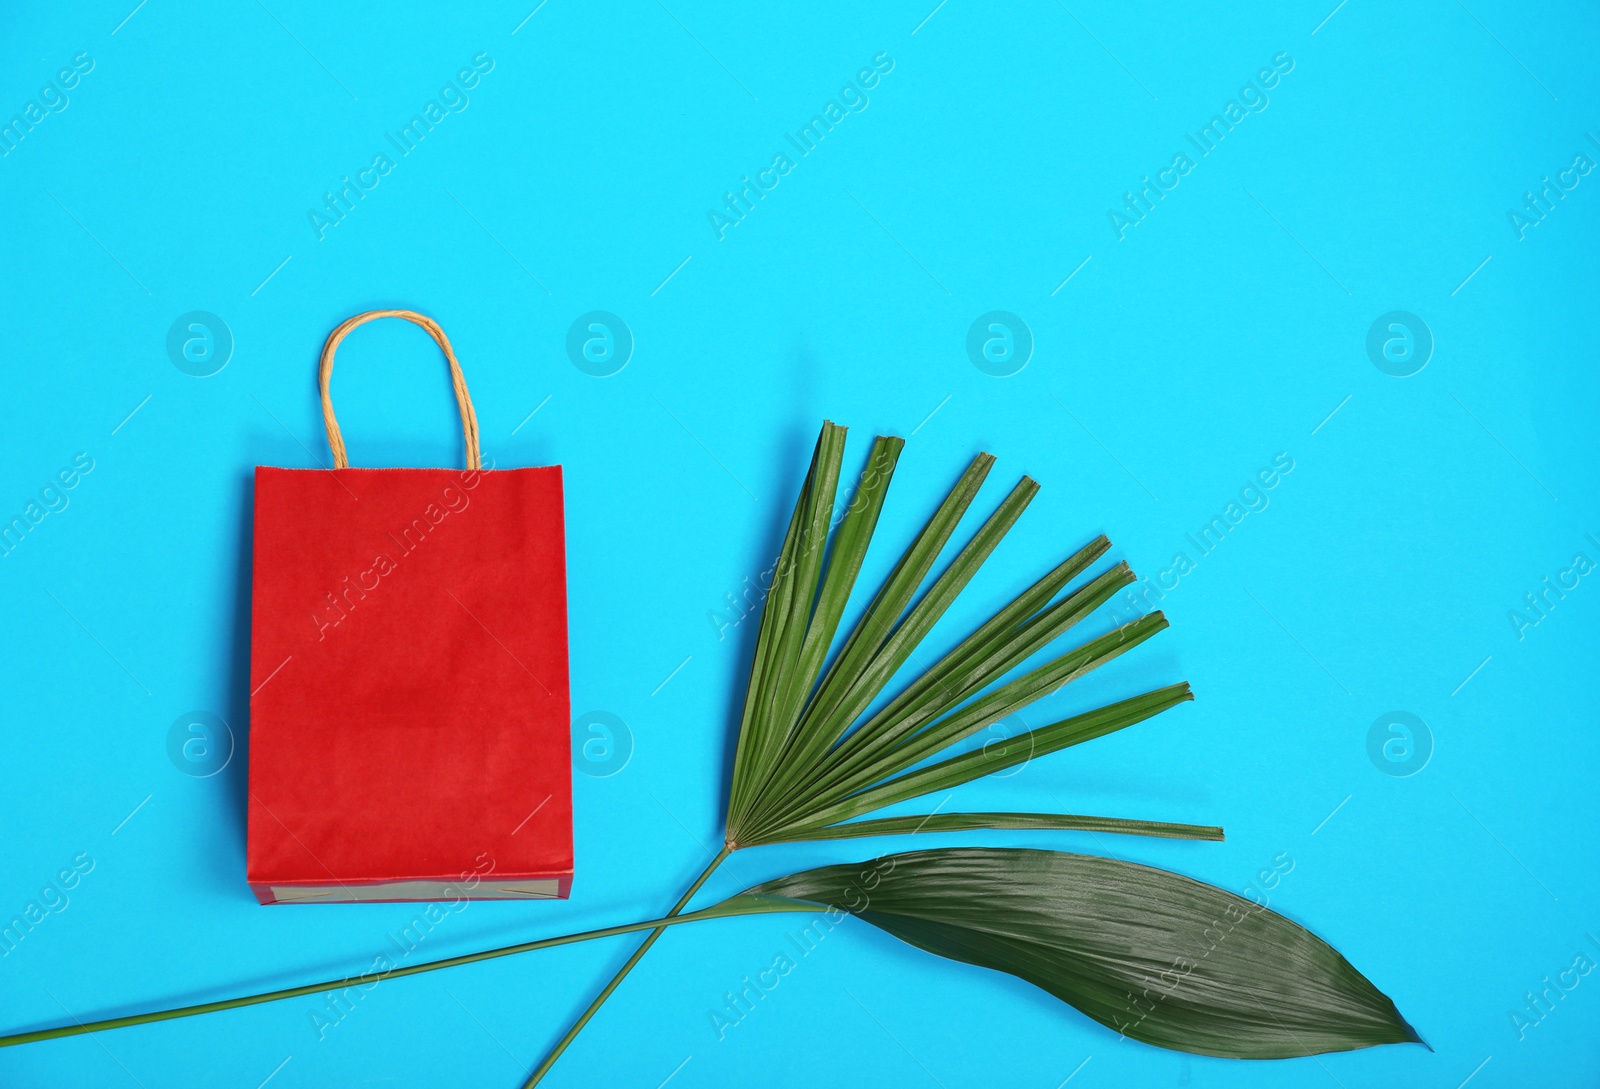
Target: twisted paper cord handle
469 419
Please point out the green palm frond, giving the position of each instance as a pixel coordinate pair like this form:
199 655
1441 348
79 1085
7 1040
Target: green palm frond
806 759
807 764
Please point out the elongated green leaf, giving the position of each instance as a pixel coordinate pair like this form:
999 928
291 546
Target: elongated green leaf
999 644
906 743
870 633
972 822
764 732
951 773
802 763
1150 954
1010 698
991 708
898 647
849 549
788 694
753 723
790 602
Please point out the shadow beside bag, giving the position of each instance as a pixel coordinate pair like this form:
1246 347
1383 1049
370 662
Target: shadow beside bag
409 707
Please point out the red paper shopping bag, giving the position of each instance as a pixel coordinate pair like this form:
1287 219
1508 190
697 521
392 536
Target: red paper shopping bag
409 733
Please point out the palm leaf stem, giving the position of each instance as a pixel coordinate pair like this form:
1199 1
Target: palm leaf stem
622 973
980 822
740 905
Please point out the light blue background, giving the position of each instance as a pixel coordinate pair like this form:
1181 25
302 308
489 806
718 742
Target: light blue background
1223 329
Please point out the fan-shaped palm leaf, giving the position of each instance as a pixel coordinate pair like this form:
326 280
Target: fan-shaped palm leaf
807 763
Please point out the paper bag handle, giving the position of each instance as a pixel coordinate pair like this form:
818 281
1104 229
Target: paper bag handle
469 419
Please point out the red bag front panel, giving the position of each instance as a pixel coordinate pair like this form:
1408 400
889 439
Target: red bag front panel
409 696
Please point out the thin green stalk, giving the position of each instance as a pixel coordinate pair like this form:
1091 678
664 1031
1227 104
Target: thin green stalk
745 905
599 999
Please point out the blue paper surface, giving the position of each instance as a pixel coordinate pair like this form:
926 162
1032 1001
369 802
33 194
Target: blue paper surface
1151 258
